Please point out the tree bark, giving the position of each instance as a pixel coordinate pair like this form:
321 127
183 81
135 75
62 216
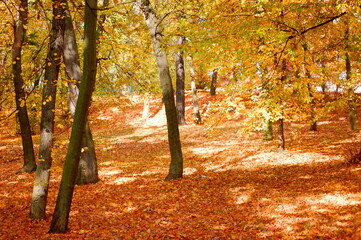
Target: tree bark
196 113
280 136
146 106
180 82
59 222
20 98
268 130
214 82
176 165
41 183
88 171
352 107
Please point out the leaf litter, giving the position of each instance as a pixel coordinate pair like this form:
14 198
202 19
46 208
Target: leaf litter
234 187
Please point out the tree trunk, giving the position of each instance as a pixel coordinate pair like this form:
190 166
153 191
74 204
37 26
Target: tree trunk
176 165
146 106
307 73
59 222
180 81
20 98
88 171
197 115
214 82
280 136
313 126
352 107
41 183
268 130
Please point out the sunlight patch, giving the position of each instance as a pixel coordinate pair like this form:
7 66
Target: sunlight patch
209 150
335 199
123 180
189 171
110 172
287 208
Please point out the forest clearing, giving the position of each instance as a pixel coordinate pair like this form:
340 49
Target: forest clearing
234 186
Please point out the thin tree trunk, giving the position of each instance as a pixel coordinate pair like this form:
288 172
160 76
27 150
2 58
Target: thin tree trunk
146 106
59 222
280 136
268 130
197 114
352 112
20 98
313 126
42 176
214 82
267 122
180 82
176 165
313 117
88 171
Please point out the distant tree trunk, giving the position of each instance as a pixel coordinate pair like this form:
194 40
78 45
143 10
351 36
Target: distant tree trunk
41 183
280 136
280 133
180 82
267 122
20 98
146 107
88 171
268 130
214 82
313 126
59 222
197 114
176 165
352 107
313 117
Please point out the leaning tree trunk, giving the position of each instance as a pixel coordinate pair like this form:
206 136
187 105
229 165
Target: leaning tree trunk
20 98
180 81
196 113
176 165
59 222
87 171
41 183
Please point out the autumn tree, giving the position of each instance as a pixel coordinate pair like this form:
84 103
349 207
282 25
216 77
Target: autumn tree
196 113
88 171
20 26
180 81
59 221
42 176
155 29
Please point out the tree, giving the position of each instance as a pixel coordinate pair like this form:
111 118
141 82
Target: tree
351 102
196 113
20 96
155 29
42 176
180 81
88 171
59 221
214 82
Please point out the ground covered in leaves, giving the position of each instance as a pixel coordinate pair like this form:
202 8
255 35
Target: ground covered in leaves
234 186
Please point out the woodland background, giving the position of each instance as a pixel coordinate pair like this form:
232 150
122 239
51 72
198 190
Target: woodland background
274 151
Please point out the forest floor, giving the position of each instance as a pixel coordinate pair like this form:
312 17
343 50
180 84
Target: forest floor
234 186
